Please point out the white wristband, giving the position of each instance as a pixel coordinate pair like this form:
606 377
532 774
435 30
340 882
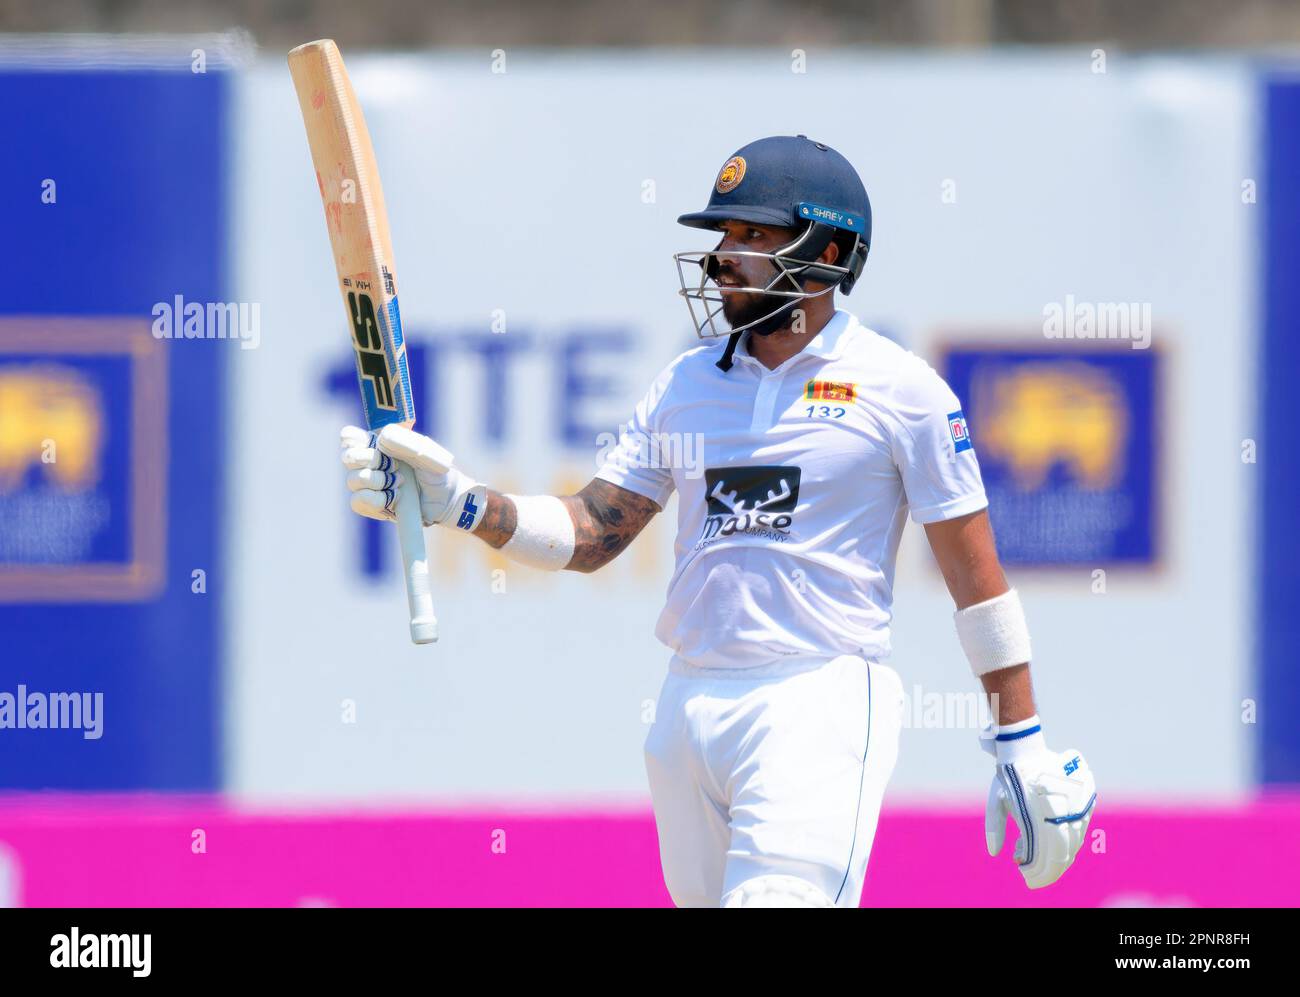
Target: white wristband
993 633
1012 742
544 536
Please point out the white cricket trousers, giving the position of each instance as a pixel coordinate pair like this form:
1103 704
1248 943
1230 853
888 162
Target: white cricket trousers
775 770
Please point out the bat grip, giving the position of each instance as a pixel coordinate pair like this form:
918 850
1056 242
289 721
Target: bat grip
415 559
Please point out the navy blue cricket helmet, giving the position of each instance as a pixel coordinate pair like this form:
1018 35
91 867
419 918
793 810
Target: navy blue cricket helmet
793 182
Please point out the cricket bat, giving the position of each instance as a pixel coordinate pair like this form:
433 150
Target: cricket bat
357 221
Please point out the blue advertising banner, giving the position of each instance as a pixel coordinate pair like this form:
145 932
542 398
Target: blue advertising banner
1278 645
110 438
1067 444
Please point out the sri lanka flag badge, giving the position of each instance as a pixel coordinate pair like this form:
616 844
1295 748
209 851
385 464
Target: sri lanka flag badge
829 391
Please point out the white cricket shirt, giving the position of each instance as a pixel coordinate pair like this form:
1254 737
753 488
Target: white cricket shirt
793 487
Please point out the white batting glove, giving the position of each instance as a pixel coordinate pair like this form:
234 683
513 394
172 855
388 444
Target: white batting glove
376 462
1051 796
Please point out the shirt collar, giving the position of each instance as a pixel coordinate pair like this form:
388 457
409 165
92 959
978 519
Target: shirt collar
828 344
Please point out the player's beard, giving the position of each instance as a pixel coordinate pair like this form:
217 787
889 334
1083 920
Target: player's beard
742 308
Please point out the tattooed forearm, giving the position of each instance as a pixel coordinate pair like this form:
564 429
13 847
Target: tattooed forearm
606 518
499 520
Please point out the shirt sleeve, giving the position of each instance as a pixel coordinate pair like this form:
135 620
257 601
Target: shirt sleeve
637 461
933 449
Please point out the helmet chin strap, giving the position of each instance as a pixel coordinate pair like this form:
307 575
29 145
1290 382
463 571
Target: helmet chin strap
778 320
724 362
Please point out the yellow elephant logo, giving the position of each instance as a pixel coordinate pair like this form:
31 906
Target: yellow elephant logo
1041 414
732 172
52 417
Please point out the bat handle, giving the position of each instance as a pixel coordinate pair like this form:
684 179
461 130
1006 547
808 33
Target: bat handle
415 560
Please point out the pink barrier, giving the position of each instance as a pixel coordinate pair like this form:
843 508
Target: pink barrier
141 851
1137 856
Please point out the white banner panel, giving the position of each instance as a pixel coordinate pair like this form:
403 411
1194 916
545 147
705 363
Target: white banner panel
533 214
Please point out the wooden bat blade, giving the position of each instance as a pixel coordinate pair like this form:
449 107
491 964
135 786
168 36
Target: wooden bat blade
357 220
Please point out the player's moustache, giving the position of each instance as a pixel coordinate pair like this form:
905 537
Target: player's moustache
771 312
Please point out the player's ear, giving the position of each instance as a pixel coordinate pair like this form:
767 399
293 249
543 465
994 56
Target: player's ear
831 253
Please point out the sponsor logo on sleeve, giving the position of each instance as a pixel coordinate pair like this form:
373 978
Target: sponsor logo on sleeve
960 431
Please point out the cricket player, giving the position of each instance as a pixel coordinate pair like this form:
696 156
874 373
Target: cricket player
777 727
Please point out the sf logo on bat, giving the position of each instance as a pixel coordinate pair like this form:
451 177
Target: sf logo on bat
370 346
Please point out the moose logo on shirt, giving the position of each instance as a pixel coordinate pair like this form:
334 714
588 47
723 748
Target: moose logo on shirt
758 500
